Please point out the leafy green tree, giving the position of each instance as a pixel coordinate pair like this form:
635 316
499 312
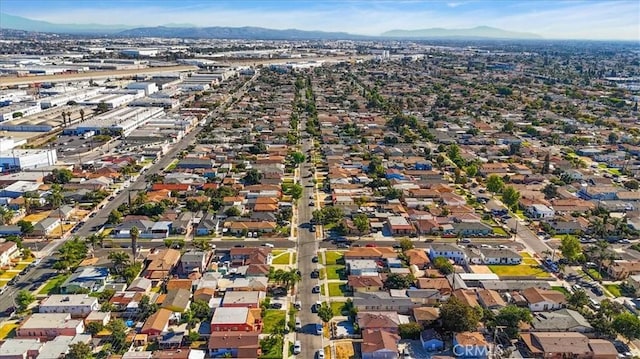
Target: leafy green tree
26 227
120 260
406 244
60 176
23 299
325 312
146 308
298 157
456 316
202 244
118 337
232 211
510 317
253 176
410 330
578 299
495 184
510 196
550 191
79 350
571 249
443 265
627 325
94 328
399 281
258 148
296 191
471 170
200 309
361 221
115 217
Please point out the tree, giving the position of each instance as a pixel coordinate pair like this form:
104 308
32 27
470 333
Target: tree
410 330
550 191
325 313
510 317
571 249
26 227
6 215
253 176
296 191
118 337
510 196
399 281
102 107
456 316
361 221
471 170
134 233
23 299
627 325
120 260
79 350
200 309
61 176
146 308
232 211
578 299
443 265
115 217
406 244
202 244
495 184
546 165
632 184
258 148
298 157
613 138
94 328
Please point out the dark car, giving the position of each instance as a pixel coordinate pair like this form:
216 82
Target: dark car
597 290
314 259
315 274
276 305
239 246
312 228
315 289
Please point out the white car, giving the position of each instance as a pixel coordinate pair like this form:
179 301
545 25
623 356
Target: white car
297 347
320 354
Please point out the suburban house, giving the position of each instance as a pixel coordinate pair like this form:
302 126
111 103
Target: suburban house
379 344
500 256
8 251
236 319
376 253
46 227
365 283
448 251
418 257
562 320
383 301
157 323
544 299
490 299
472 229
148 229
387 321
234 345
207 225
177 300
20 348
49 326
426 316
78 305
194 260
399 225
362 267
540 211
243 299
161 263
470 345
140 284
248 256
567 345
85 278
431 340
621 269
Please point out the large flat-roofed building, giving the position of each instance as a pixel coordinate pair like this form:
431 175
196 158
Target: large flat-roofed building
20 348
122 120
18 159
49 326
74 304
19 109
76 95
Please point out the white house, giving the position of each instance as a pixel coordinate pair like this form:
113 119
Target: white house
448 251
78 305
500 256
543 299
540 211
362 267
8 251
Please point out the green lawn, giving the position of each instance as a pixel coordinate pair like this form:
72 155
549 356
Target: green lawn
3 282
614 289
500 231
53 283
562 290
272 319
336 308
336 272
593 273
337 289
281 258
520 270
21 266
8 275
332 257
271 351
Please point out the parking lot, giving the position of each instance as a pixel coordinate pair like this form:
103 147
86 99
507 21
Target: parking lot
68 146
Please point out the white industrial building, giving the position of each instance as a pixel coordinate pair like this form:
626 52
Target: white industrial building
148 87
167 103
18 159
19 109
74 304
78 95
121 120
112 100
140 52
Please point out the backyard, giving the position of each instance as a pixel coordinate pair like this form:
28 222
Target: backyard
520 270
274 321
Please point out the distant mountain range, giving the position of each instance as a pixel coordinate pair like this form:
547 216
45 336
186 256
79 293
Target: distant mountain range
476 32
220 32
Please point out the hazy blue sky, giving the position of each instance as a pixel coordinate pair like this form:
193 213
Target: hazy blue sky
589 19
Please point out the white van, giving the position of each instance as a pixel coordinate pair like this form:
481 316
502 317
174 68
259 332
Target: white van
297 347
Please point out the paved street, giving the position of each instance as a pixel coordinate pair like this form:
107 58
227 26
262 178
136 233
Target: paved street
38 274
307 248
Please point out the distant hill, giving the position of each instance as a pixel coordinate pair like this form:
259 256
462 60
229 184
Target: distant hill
22 23
484 32
246 32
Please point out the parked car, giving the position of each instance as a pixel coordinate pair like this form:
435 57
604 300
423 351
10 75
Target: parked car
597 290
276 305
297 347
319 329
315 289
320 354
314 259
315 274
298 324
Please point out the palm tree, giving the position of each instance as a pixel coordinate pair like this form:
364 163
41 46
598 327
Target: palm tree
55 197
119 260
292 278
6 215
134 232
